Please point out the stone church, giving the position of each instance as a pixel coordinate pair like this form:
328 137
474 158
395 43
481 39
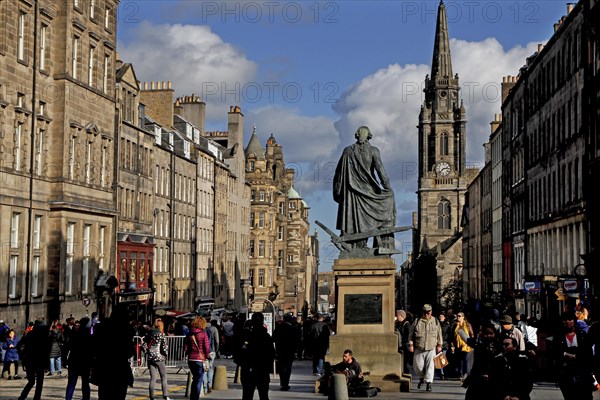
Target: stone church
443 177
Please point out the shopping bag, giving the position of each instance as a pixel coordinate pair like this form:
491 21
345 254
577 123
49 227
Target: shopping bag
440 361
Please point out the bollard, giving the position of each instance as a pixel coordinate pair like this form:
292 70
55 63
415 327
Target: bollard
339 387
220 378
238 372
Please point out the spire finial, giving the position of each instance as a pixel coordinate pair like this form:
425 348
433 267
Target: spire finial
441 65
254 129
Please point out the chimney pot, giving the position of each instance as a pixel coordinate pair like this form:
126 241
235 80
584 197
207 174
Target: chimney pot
569 8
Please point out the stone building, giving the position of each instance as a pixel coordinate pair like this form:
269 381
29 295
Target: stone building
57 208
547 136
135 195
443 176
282 253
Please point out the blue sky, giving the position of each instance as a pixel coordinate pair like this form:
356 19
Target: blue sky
311 72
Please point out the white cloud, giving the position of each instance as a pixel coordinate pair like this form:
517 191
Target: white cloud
389 100
194 58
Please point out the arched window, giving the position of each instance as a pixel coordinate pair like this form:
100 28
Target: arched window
444 147
444 214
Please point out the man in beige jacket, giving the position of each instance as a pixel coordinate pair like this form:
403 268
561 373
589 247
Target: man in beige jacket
426 336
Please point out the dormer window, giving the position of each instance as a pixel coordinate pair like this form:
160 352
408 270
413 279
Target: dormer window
251 166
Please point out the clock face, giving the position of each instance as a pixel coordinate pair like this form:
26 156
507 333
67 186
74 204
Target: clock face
442 168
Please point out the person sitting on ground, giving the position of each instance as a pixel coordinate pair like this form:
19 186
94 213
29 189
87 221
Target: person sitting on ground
349 367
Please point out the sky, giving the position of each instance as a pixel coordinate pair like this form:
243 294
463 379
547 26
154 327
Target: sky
311 72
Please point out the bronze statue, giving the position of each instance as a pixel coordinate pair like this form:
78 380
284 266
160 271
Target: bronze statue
366 206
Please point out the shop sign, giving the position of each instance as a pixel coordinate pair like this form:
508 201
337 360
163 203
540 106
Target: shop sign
570 286
532 287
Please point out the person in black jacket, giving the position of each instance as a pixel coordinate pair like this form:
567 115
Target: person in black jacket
113 346
79 357
34 351
286 337
256 356
573 357
319 334
511 375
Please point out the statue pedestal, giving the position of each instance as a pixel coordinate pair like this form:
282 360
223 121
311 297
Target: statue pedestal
365 299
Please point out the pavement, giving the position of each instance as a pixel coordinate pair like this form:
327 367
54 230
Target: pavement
302 387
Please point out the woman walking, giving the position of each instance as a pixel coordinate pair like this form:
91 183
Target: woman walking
156 348
197 348
462 333
56 343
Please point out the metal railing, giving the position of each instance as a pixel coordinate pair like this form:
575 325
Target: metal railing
176 357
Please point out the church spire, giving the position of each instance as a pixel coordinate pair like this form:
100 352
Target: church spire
441 65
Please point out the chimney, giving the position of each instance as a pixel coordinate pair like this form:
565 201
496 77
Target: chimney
158 99
496 122
569 8
508 82
540 48
192 109
235 126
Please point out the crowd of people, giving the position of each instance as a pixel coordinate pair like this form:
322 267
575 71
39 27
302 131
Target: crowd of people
495 354
491 354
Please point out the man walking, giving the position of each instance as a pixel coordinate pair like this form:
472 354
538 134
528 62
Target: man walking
286 337
426 336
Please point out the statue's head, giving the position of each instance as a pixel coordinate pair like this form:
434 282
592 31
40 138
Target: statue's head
363 134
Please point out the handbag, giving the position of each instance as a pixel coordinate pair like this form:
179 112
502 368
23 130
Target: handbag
205 365
440 361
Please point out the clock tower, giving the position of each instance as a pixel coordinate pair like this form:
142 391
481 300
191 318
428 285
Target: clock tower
443 177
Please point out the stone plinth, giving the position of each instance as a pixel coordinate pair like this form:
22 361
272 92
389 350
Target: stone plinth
365 320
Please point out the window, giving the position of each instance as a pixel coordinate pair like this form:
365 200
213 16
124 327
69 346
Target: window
85 267
91 63
37 232
290 258
261 248
18 144
107 17
281 208
103 167
88 163
251 276
444 214
261 277
75 56
72 158
70 256
14 230
251 248
76 3
292 205
261 219
92 9
252 195
444 147
12 276
35 276
21 36
43 31
105 75
280 260
250 166
20 100
251 220
42 108
280 232
261 195
101 247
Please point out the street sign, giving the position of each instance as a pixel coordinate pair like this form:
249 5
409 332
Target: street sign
560 294
86 301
